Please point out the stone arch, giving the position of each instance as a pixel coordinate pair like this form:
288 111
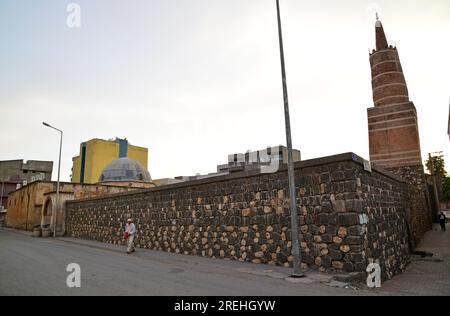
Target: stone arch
47 212
27 218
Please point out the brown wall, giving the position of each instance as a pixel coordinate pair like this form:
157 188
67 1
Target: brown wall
394 136
25 204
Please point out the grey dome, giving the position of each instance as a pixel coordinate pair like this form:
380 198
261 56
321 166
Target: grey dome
124 169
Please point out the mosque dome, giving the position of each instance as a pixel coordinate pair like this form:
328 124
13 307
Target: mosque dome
124 169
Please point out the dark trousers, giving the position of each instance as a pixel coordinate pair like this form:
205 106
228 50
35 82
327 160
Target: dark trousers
442 222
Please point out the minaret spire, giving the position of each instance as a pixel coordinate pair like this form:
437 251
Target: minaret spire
380 35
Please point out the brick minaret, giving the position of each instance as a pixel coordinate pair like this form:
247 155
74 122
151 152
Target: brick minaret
394 133
393 130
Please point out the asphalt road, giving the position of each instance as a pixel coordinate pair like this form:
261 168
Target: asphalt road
36 266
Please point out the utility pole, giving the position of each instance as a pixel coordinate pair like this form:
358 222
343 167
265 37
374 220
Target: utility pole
59 172
1 196
435 189
292 196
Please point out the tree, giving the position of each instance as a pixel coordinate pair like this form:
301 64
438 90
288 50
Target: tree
436 164
446 188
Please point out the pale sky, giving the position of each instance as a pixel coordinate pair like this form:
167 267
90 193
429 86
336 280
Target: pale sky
196 80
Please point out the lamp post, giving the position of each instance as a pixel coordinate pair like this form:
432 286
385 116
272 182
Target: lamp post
59 172
292 196
1 196
435 189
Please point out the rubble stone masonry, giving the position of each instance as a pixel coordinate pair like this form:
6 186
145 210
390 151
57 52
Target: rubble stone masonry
348 217
419 202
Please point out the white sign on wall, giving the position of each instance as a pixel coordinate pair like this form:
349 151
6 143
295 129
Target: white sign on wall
38 177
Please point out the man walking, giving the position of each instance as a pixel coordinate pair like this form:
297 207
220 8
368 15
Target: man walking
130 234
442 219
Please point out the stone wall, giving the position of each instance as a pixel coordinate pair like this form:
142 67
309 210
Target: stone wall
348 217
419 208
386 234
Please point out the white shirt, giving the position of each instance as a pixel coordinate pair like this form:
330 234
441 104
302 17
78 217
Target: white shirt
130 229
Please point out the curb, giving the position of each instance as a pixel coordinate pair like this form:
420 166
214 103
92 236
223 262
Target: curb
75 242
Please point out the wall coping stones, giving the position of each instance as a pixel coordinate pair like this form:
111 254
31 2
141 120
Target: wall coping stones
316 162
66 183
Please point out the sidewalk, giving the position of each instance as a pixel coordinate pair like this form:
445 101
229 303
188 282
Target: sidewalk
425 276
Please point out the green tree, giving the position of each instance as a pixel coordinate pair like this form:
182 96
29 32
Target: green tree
446 188
436 164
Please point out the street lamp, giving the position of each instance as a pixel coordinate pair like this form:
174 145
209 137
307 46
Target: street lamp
433 176
292 196
59 172
1 196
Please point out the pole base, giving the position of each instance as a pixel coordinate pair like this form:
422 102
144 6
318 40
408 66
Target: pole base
298 275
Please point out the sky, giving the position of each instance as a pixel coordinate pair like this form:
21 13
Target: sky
196 80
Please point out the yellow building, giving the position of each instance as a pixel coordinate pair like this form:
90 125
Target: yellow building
96 154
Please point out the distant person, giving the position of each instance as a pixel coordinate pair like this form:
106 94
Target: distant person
130 234
442 219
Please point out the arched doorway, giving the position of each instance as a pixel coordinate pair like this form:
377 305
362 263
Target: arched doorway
47 212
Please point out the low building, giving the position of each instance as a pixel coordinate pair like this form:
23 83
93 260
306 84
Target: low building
35 203
14 173
267 160
28 171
